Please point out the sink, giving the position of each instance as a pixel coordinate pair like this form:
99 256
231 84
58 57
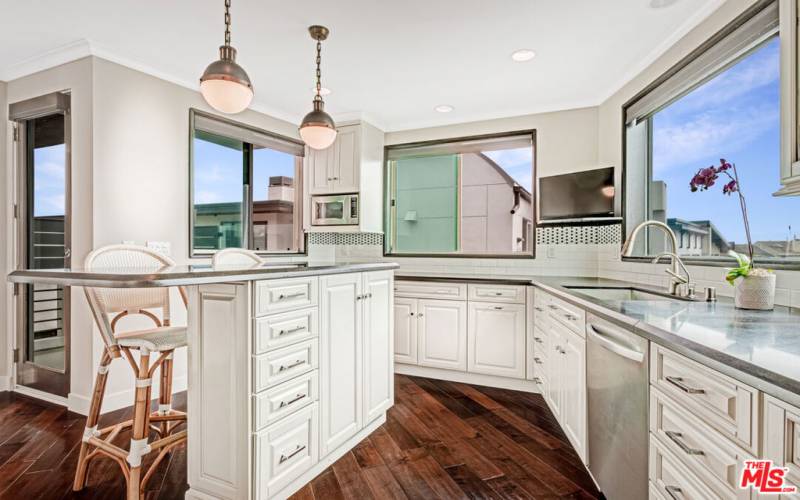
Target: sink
624 293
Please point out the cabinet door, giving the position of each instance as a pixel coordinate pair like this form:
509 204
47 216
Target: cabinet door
405 330
320 169
348 160
496 339
554 369
340 359
573 391
378 355
442 334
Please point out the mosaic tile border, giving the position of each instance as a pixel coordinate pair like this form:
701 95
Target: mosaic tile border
348 239
579 235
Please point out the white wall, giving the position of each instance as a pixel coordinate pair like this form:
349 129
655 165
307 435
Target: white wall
5 186
76 77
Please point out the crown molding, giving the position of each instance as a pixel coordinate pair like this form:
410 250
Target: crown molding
55 57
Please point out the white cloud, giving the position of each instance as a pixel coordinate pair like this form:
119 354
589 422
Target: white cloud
721 132
203 197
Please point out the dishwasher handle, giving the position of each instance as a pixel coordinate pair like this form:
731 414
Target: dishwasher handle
604 338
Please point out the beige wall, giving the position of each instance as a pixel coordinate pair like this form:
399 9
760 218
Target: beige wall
566 141
75 77
5 341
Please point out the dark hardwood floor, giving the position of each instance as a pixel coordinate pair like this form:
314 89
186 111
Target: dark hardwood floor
441 440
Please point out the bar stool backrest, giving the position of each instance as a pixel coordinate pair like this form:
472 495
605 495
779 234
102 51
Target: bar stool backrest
119 302
236 257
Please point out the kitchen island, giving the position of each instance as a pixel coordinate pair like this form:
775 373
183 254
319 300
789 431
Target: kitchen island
290 366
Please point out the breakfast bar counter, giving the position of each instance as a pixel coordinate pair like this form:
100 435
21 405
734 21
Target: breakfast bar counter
290 365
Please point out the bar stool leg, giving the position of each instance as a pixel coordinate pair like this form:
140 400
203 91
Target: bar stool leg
141 425
165 392
91 421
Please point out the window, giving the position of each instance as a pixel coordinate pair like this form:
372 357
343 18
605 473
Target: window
725 106
468 196
246 188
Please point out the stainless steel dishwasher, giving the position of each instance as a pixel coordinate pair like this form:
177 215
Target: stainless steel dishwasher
617 388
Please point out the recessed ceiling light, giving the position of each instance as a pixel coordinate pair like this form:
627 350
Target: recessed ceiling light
322 91
660 4
523 55
444 108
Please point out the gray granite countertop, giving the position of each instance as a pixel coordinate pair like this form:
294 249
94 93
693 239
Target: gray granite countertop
760 348
195 274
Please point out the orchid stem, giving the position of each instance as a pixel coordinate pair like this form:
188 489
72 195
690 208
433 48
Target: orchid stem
743 204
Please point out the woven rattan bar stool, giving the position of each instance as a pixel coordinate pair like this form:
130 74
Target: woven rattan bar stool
108 306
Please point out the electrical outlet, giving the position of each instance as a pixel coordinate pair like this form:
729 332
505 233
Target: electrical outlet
162 247
551 252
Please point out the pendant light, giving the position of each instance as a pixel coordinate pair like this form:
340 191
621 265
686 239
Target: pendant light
317 128
225 85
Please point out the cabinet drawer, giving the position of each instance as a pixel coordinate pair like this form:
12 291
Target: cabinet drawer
727 405
279 330
715 459
278 366
512 294
430 290
568 315
273 296
285 399
672 479
285 451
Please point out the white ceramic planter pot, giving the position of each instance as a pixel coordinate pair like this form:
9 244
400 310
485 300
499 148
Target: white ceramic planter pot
755 292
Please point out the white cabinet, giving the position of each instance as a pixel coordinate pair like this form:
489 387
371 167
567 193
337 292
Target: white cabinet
442 330
405 330
573 391
340 359
790 104
336 169
356 361
378 362
496 339
782 439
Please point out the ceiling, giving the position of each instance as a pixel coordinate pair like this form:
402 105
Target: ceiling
390 62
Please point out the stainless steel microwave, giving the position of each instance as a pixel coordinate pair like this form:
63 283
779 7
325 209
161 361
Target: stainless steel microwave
334 210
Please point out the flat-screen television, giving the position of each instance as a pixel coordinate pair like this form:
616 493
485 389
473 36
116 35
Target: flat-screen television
579 195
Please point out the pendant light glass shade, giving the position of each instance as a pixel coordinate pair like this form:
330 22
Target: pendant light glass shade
225 85
317 129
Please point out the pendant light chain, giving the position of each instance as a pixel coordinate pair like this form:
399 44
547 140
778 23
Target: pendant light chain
227 22
318 97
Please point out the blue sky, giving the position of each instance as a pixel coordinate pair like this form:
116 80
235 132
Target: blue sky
517 163
218 172
48 181
735 116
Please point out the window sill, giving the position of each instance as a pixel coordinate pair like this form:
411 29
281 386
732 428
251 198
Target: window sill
777 264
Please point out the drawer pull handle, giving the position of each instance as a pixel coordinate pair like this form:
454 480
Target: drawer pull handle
680 384
537 380
499 294
570 317
290 455
283 368
292 401
676 438
419 315
538 361
291 330
498 308
538 339
553 306
539 309
673 492
290 295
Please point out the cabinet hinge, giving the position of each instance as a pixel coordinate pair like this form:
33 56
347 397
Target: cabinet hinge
16 211
16 289
16 355
16 132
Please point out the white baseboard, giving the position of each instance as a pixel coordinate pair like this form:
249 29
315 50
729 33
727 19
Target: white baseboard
467 378
44 396
5 383
79 403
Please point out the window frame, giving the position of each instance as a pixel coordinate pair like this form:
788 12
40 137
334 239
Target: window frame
388 209
300 236
708 261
